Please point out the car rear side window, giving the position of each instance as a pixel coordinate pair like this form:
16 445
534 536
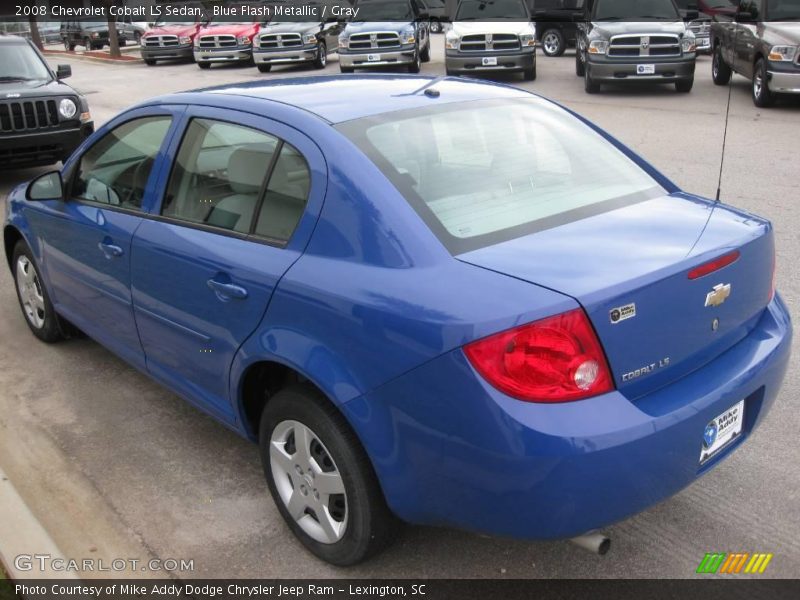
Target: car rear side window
115 170
483 172
220 179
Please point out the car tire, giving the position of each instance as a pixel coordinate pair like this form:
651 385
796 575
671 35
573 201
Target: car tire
137 38
762 96
426 53
322 56
203 65
415 66
684 86
436 26
68 47
33 299
589 84
87 43
346 70
580 68
265 68
356 523
149 62
720 71
553 43
529 74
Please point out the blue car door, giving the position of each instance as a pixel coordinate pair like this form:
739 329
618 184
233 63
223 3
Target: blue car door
239 204
87 236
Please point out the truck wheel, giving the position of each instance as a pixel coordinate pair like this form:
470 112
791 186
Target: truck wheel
553 42
529 74
580 68
87 43
321 479
346 69
265 68
322 56
762 96
39 313
436 26
204 65
416 65
589 84
68 47
426 53
720 71
149 62
684 86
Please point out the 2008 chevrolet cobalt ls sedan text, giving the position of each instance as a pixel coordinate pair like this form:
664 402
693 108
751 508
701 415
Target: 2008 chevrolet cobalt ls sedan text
435 301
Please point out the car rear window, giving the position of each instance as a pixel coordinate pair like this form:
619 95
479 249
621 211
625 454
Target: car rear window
483 172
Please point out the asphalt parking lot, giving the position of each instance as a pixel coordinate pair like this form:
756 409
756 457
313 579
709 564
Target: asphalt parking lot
115 466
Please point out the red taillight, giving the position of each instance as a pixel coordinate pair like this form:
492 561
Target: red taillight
557 359
714 265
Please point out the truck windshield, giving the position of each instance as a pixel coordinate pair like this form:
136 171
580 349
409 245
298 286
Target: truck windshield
391 10
635 10
485 10
19 62
487 171
785 10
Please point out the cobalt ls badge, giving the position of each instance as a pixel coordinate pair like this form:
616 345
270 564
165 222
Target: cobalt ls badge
718 295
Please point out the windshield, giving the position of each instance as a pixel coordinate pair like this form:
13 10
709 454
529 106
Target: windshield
783 10
635 10
482 172
484 10
19 62
384 11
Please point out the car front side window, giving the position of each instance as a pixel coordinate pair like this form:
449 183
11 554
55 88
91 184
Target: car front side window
115 170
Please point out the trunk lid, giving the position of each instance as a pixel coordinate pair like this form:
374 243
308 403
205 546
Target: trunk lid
640 256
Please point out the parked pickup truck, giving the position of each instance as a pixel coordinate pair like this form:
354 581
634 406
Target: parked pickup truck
491 35
762 43
635 40
387 33
170 41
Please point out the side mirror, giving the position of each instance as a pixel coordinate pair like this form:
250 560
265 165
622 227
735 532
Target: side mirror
63 71
46 187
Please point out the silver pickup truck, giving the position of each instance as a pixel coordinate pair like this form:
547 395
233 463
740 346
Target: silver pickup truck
761 42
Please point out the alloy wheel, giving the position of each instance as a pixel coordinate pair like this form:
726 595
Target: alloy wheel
323 55
308 482
758 84
30 292
551 43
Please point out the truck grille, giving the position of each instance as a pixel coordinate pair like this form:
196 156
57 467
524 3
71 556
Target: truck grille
644 45
280 40
27 115
702 28
160 41
218 41
371 41
490 42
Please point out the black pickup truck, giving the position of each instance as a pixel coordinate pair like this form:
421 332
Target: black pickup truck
556 23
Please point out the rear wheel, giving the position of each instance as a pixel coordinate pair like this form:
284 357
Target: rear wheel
68 46
436 26
684 86
321 479
762 96
39 313
137 38
87 43
322 56
553 43
265 68
720 71
426 53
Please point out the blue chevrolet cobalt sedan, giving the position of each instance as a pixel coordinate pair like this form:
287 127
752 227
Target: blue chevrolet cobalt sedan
428 300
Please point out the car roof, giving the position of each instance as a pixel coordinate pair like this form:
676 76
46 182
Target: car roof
339 98
12 39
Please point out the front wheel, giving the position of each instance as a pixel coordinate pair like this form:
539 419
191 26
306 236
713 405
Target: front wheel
580 68
553 42
321 479
149 62
39 313
346 69
589 84
720 71
762 96
416 64
322 56
265 68
684 86
204 65
529 74
426 53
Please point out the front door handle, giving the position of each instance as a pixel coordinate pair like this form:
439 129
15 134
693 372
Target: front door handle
110 249
227 291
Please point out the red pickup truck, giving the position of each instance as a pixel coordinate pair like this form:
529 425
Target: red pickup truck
169 41
220 42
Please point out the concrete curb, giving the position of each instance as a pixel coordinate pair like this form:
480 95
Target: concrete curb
21 533
95 59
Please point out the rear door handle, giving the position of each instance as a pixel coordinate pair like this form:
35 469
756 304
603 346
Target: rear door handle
227 291
110 249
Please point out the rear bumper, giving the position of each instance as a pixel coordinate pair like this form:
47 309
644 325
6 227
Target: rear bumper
177 52
605 70
403 56
278 57
451 450
470 63
239 54
784 82
41 148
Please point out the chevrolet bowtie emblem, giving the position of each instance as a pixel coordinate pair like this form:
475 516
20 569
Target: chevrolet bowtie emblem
718 295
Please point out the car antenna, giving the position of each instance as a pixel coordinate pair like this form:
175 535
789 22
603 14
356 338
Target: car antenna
727 117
